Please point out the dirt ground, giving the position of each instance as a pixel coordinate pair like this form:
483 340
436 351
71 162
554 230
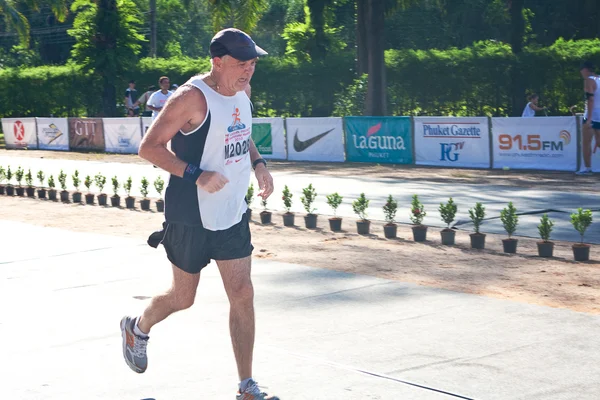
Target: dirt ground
557 282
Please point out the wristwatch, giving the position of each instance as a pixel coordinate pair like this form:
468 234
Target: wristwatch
259 161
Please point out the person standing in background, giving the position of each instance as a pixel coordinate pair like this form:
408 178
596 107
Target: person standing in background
532 106
591 115
144 100
157 101
130 101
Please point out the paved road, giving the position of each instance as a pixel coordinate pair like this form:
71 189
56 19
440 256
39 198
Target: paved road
529 201
321 334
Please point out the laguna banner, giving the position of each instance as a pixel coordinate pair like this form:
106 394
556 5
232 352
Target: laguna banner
269 137
86 134
452 142
53 133
19 133
315 139
122 135
547 143
378 139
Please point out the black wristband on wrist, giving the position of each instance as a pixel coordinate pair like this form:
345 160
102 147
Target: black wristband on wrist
192 173
259 161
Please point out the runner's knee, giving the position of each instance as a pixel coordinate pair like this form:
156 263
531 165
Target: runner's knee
182 301
242 291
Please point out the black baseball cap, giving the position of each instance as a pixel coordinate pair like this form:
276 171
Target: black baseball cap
587 65
235 43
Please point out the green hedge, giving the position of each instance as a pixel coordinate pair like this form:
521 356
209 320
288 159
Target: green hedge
469 81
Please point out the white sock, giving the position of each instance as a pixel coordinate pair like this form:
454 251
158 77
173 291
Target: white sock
137 330
244 384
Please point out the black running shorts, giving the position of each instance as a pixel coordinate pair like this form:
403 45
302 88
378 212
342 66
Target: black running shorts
190 248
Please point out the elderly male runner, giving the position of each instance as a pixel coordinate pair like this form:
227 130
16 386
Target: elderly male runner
208 121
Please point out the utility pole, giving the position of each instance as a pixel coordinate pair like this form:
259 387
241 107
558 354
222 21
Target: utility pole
153 28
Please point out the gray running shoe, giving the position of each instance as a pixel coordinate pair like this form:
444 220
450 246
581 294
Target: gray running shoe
253 392
584 172
134 347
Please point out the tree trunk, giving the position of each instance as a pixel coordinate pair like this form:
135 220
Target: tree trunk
317 21
109 97
106 43
153 28
362 56
517 33
376 91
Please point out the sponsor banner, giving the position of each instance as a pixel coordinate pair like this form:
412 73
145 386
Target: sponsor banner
378 139
53 133
546 143
269 138
315 139
146 122
19 133
86 134
452 142
122 135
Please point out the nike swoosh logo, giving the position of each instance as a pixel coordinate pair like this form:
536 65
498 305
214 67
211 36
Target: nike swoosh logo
301 145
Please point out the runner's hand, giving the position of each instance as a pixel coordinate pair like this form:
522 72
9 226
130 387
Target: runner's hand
211 181
265 181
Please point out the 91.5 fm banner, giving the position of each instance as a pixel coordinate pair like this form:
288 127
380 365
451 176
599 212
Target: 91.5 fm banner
315 139
19 133
547 143
268 136
378 139
452 142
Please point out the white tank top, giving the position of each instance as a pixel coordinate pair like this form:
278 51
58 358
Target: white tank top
528 111
226 149
596 110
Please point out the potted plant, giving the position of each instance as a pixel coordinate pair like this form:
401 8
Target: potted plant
545 247
29 182
19 177
265 216
510 220
308 198
359 206
159 186
145 202
100 181
89 196
477 214
288 217
64 194
334 200
76 182
51 190
129 200
2 179
10 189
581 220
41 191
115 200
448 213
417 213
249 199
390 208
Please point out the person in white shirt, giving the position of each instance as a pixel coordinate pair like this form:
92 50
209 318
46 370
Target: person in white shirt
591 118
157 101
532 106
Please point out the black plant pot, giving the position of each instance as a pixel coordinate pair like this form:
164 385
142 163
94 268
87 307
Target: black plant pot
335 224
89 198
2 189
390 231
130 202
477 240
289 219
419 233
160 207
102 199
76 197
10 190
20 191
510 245
581 252
115 201
41 193
448 236
52 194
363 227
145 204
265 217
30 190
310 221
545 249
64 196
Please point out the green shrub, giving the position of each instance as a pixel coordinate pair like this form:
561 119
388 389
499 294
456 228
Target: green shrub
308 198
389 209
334 200
545 227
159 185
417 211
477 215
360 205
509 219
581 220
287 198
